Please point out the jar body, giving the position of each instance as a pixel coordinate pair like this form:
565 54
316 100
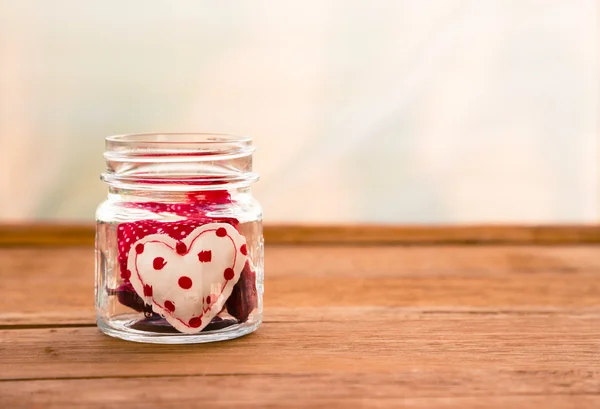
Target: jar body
165 294
179 245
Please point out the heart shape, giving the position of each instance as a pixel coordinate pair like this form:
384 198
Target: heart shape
188 281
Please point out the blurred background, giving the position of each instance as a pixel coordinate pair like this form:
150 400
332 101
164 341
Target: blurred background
385 111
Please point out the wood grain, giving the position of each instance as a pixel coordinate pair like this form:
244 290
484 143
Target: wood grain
391 358
456 277
345 325
35 234
369 344
451 389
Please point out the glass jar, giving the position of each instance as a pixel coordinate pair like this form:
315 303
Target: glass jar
179 244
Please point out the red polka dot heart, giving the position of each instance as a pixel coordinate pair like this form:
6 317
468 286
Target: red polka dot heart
188 281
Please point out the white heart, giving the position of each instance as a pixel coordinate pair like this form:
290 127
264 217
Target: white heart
190 288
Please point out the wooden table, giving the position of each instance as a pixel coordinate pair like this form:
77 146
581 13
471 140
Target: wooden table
504 317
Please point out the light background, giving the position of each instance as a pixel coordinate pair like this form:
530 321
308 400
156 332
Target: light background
392 111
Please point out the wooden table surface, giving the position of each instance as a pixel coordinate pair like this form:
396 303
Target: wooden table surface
505 317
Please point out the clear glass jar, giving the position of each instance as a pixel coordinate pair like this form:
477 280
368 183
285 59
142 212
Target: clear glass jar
179 244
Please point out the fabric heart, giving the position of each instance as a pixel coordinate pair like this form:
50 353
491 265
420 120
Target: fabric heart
188 281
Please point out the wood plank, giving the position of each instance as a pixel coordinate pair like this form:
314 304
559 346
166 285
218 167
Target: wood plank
414 389
47 234
487 344
429 277
406 234
345 325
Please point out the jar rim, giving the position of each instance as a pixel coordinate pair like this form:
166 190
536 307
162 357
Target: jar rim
179 138
196 161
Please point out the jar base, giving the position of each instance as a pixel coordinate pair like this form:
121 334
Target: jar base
122 330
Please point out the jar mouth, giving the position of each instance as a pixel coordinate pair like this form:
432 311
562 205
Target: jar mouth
178 138
192 161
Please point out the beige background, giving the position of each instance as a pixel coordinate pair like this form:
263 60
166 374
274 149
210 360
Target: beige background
377 111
